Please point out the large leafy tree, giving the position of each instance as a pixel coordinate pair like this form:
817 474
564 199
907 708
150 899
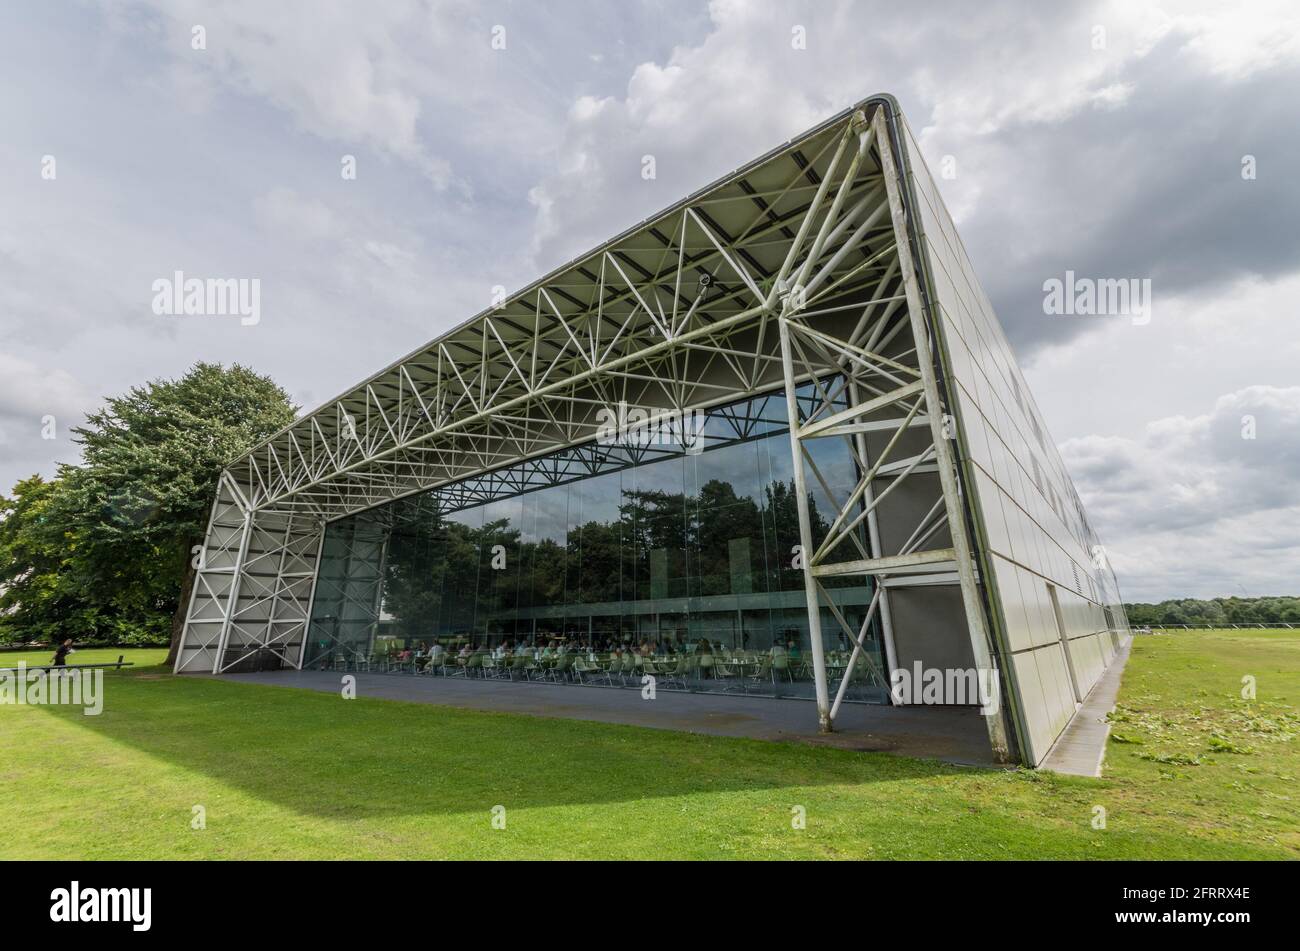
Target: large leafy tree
125 519
36 602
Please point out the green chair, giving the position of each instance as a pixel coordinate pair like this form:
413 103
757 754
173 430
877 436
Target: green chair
613 668
559 671
676 673
725 675
584 668
780 667
704 665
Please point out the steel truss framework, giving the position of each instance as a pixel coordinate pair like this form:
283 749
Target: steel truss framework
796 269
638 446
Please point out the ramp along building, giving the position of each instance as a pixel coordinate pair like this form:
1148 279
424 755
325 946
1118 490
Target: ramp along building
771 440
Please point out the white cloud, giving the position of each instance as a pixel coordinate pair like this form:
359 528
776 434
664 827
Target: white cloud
36 401
973 85
293 216
1233 40
1200 504
343 78
1197 346
30 391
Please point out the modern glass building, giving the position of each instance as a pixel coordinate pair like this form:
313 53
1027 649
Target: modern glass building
772 439
678 547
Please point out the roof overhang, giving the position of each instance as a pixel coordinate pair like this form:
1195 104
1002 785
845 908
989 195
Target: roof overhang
676 313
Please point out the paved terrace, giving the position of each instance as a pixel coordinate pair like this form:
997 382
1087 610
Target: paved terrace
1081 748
952 734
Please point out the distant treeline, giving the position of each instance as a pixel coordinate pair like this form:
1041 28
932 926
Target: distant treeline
1271 610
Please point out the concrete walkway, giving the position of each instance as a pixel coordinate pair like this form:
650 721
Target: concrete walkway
1079 751
952 734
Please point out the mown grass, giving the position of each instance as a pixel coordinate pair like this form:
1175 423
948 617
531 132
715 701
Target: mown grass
139 657
283 773
1209 759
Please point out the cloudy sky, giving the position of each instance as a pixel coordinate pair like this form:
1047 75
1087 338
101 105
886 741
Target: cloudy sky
1105 138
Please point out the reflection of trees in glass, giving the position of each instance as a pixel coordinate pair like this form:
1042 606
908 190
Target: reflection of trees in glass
720 518
546 559
595 562
410 594
440 578
783 505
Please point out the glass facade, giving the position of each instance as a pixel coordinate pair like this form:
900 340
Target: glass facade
647 554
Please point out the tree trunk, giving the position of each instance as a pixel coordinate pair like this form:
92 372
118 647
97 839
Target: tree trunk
183 605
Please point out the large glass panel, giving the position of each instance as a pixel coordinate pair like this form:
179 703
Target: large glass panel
658 561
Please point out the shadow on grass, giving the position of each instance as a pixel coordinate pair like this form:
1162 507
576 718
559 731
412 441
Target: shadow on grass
318 755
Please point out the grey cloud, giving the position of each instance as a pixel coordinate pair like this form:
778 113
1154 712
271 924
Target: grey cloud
1124 163
1149 190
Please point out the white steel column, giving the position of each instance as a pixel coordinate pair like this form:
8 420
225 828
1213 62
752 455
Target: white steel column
232 598
873 535
311 598
213 598
379 593
187 630
805 537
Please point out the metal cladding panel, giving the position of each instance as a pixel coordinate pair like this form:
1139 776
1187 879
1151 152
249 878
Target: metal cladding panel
1036 541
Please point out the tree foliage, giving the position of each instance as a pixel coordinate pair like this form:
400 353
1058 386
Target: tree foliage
1268 610
439 577
102 551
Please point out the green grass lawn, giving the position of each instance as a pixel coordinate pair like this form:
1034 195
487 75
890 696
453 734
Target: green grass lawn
1195 772
140 657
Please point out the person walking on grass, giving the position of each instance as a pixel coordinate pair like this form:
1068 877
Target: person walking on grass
61 654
